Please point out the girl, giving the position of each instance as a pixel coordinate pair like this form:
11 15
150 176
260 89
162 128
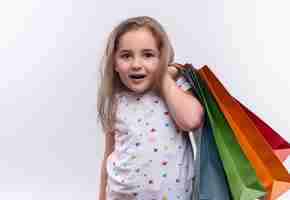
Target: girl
145 113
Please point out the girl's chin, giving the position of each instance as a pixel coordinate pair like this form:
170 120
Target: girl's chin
140 90
140 87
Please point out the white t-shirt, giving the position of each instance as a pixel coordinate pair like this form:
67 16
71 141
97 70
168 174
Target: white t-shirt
150 153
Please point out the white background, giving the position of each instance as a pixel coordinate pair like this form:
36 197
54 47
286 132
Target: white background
50 143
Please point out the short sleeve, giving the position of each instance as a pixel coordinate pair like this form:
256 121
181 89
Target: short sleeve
183 83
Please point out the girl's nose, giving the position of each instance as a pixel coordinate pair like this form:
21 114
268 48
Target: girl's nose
136 64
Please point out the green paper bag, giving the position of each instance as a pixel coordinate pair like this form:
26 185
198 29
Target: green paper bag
208 165
241 177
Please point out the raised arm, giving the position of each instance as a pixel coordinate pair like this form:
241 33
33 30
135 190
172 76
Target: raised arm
185 109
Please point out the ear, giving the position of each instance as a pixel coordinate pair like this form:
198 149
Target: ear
114 62
115 68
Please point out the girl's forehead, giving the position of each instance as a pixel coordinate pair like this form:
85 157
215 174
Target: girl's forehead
141 38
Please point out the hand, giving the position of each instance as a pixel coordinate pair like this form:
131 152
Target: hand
173 71
169 78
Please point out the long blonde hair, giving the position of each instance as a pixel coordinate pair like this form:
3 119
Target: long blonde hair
110 80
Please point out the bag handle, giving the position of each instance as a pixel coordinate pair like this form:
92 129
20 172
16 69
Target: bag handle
181 67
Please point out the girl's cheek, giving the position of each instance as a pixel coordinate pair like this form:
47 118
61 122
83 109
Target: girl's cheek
122 64
152 62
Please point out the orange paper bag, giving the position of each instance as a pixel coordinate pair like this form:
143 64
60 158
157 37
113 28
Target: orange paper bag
279 145
269 169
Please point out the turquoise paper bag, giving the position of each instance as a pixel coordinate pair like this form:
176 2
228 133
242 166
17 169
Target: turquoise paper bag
210 180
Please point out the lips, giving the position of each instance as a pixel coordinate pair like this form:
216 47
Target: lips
137 76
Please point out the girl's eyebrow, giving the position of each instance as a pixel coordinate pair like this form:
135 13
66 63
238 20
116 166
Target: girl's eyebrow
123 50
144 50
149 50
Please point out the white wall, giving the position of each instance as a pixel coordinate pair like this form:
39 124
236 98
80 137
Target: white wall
50 144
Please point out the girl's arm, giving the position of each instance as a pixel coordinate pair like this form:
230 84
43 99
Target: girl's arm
185 109
109 147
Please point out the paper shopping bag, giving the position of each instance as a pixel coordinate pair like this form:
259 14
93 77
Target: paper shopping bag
208 166
213 183
270 171
278 144
241 177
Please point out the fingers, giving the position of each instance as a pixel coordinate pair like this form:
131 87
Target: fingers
172 71
176 65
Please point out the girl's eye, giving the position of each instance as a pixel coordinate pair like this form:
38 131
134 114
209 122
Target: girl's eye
148 55
125 56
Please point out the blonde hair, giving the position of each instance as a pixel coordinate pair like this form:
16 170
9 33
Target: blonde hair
110 80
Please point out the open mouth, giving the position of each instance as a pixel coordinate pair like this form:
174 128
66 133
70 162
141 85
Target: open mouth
137 76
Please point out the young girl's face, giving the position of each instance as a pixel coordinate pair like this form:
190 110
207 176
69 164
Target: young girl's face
137 59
